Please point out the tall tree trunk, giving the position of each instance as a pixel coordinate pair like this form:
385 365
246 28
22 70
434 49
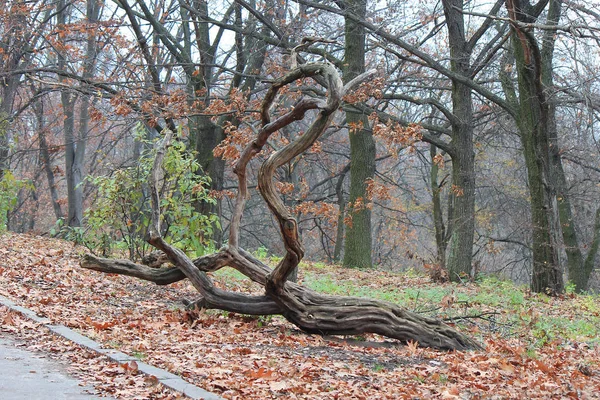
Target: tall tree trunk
438 217
204 133
532 121
16 42
11 46
68 99
357 246
578 269
460 253
546 273
19 37
7 91
78 151
45 159
74 210
568 224
339 234
4 146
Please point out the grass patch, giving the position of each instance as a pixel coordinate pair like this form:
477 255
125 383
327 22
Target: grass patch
489 306
229 274
505 308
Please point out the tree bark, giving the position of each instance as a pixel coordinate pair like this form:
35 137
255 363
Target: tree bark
341 201
204 133
460 253
312 312
578 266
72 167
13 45
532 122
441 241
72 171
5 111
358 245
45 159
75 146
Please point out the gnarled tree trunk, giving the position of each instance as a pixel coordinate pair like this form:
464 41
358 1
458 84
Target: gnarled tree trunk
310 311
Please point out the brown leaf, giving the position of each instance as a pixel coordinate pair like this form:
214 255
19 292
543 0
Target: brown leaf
8 319
507 367
412 347
451 392
542 367
261 373
242 350
448 300
131 368
151 380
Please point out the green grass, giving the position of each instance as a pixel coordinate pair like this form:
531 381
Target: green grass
576 319
139 355
505 308
229 274
326 283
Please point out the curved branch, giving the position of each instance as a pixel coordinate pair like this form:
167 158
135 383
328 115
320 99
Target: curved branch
309 310
160 276
313 312
288 224
214 298
268 128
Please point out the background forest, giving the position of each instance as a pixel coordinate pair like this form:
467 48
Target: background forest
473 150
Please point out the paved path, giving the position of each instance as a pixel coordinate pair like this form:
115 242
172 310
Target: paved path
26 375
21 385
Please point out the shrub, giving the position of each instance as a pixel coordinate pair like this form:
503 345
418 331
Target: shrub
121 214
9 190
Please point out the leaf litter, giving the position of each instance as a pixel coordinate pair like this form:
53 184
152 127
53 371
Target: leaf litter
243 357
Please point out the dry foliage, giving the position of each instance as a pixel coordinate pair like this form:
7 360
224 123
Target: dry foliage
241 357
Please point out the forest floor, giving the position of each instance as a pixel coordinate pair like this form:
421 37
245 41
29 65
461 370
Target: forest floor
537 347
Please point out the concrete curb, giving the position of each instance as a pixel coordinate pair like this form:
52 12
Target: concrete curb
168 379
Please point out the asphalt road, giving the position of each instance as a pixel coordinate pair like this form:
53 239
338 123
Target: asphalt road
26 375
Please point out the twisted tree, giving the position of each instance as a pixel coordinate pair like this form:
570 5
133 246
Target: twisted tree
311 311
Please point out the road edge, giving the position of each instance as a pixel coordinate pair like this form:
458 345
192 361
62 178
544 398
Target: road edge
166 378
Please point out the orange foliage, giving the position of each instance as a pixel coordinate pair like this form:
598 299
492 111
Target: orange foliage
377 190
366 91
394 136
438 160
235 140
457 190
321 209
284 187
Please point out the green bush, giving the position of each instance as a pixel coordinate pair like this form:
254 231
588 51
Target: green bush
120 217
9 191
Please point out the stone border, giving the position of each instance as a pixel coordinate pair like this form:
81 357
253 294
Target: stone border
168 379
